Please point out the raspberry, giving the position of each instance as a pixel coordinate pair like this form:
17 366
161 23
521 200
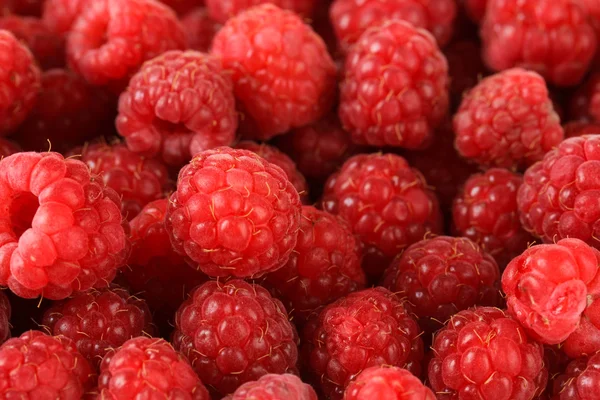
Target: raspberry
233 333
553 291
182 6
324 266
234 213
441 276
59 15
351 18
274 387
283 76
580 128
5 312
176 106
60 230
580 380
387 383
465 67
19 82
484 354
364 329
395 87
507 120
199 28
387 204
552 37
222 10
486 212
110 39
585 102
8 147
148 368
38 366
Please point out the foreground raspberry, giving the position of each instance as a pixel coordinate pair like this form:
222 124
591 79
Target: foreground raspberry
387 204
234 213
552 37
176 106
484 354
233 333
222 10
199 28
38 366
387 383
395 87
553 291
364 329
59 15
60 231
507 120
274 387
275 96
148 368
5 312
580 381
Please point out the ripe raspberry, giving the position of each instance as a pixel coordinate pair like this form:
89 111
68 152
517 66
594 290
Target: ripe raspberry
364 329
61 231
59 15
182 6
324 266
111 39
579 128
8 147
387 382
585 102
395 87
38 366
580 381
148 368
387 204
553 291
274 387
233 333
552 37
486 212
484 354
234 213
465 67
5 312
283 76
176 106
199 28
222 10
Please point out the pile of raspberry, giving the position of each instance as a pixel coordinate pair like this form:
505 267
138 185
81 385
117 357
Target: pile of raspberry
300 199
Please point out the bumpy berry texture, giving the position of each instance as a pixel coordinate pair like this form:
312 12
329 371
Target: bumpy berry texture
60 230
553 290
507 120
59 15
233 333
585 103
386 203
222 10
274 387
552 37
148 368
365 329
110 39
484 354
234 213
199 28
394 90
5 313
386 382
176 106
486 212
465 67
441 276
38 366
580 381
283 76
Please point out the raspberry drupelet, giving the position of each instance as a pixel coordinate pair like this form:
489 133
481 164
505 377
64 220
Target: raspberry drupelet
553 290
5 313
148 368
282 73
580 381
387 382
394 91
365 329
61 231
507 120
59 15
274 387
484 354
199 28
235 332
234 214
222 10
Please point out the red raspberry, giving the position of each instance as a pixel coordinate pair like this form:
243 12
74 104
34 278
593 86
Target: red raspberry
283 76
552 37
274 387
233 333
8 147
148 368
59 15
31 8
364 329
199 28
486 212
111 39
507 120
465 68
441 276
387 204
5 312
234 213
580 381
176 106
585 102
61 231
484 354
395 87
475 9
553 291
183 6
580 128
387 382
38 366
324 266
222 10
351 18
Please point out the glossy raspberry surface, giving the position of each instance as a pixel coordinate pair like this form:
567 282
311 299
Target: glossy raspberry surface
222 10
387 383
200 28
274 387
580 380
